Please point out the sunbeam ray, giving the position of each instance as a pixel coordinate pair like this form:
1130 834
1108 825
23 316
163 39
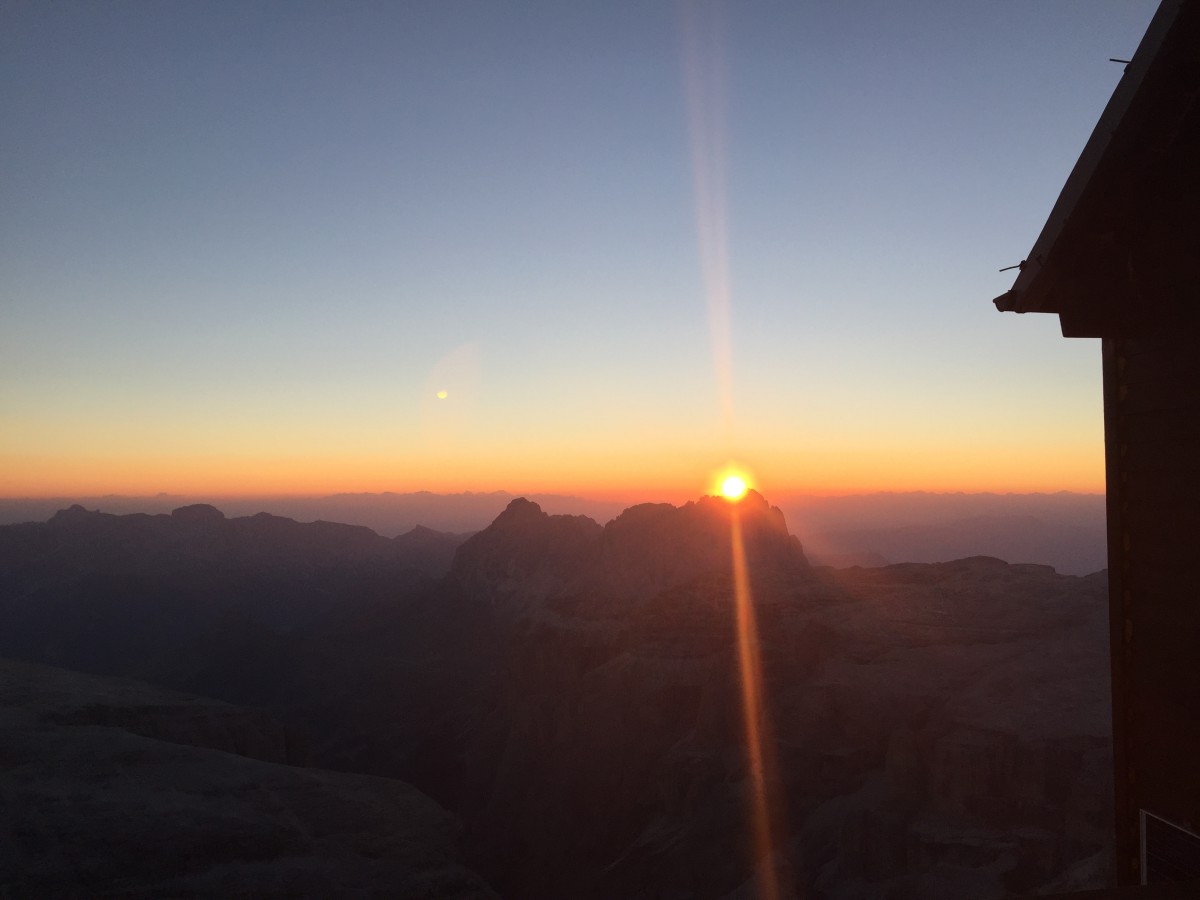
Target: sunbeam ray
759 742
704 85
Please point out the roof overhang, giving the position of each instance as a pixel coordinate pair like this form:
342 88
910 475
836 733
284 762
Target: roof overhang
1121 246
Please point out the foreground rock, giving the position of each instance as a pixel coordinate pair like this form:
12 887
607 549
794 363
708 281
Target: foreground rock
114 789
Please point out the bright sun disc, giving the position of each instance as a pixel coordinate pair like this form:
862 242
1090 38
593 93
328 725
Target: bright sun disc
733 487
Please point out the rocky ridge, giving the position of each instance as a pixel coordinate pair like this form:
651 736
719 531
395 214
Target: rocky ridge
526 557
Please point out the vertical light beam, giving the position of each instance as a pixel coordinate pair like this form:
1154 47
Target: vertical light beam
759 755
704 86
704 83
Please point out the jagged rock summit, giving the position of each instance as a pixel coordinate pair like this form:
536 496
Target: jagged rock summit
526 557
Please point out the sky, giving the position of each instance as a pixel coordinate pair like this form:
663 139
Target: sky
599 248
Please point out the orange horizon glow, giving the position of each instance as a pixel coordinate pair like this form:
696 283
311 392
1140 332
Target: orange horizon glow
297 478
677 494
674 477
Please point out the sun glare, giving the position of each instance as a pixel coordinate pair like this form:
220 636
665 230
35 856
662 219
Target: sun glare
732 481
733 488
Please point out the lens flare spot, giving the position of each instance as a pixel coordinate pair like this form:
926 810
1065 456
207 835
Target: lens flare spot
733 488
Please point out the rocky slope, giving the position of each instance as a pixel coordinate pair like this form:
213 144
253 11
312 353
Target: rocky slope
116 789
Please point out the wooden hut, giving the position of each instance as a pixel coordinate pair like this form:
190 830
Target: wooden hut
1119 260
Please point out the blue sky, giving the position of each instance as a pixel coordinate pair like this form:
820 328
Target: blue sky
247 241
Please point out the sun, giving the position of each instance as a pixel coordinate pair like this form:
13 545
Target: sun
732 482
733 488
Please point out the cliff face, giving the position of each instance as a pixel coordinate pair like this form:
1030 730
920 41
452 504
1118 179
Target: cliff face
940 728
988 706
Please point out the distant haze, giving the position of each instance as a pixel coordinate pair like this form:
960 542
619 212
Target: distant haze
1064 530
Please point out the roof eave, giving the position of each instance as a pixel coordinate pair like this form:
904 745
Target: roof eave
1030 292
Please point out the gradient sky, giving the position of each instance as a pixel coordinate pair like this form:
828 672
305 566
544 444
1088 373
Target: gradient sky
244 245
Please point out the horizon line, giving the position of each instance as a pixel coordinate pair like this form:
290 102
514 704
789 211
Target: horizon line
606 497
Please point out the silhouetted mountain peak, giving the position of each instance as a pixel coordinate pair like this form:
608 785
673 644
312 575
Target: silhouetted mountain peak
420 531
198 512
752 509
524 522
519 510
526 556
711 516
74 514
431 551
526 553
653 546
752 504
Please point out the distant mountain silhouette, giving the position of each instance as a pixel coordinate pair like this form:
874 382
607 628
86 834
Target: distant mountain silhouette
387 513
526 556
128 594
1064 530
571 689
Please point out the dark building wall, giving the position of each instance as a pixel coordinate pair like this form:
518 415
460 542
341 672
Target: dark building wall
1119 259
1152 434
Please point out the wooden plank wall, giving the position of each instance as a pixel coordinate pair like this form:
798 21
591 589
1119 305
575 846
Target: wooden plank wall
1152 438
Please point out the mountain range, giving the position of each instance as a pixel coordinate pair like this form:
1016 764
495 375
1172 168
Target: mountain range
1064 530
567 690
